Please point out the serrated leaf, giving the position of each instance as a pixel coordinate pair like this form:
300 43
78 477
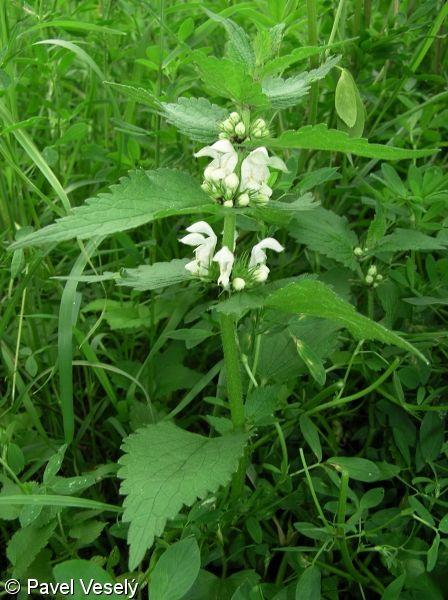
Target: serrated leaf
175 571
283 93
25 545
319 137
139 198
238 47
311 297
328 233
408 239
155 276
137 94
229 79
345 98
165 468
196 118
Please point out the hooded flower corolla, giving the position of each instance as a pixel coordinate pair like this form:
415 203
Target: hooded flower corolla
225 159
255 172
203 238
257 261
225 259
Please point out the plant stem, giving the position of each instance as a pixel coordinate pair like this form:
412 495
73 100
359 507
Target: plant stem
232 363
314 60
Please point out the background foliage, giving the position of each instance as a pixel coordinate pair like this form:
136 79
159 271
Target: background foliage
325 404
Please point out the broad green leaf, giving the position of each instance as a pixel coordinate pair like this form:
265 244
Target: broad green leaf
196 118
25 545
229 79
87 571
283 93
157 275
431 436
372 498
312 361
319 137
362 469
238 47
311 435
345 98
165 468
433 553
311 297
140 197
409 239
137 94
175 571
261 403
443 525
326 232
309 584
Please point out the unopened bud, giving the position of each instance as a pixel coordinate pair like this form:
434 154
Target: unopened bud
243 199
234 117
261 273
206 186
223 135
358 251
372 270
262 198
232 181
228 203
369 279
238 284
379 277
259 124
240 129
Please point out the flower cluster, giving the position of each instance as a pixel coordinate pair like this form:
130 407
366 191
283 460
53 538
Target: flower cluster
233 128
373 277
246 272
226 187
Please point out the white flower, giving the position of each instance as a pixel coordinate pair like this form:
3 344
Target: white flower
258 254
225 159
255 172
238 284
225 259
203 238
257 261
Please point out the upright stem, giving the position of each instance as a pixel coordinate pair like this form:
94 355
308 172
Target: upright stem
233 365
314 60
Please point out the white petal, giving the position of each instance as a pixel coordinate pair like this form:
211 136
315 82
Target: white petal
261 273
193 239
201 227
193 267
225 259
258 254
259 156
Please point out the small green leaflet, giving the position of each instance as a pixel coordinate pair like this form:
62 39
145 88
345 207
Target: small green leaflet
139 198
238 47
311 297
362 469
163 469
283 93
157 275
326 232
319 137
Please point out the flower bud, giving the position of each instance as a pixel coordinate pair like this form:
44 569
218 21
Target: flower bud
238 284
232 181
228 203
379 277
259 124
372 270
206 186
234 117
262 198
240 129
358 251
369 279
243 199
223 135
260 274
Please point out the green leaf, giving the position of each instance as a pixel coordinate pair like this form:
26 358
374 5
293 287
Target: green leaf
345 98
311 297
312 361
431 436
86 571
408 239
433 553
319 137
155 276
229 79
393 590
283 93
311 435
309 585
328 233
175 571
141 197
165 468
359 469
238 48
443 525
25 545
196 118
136 94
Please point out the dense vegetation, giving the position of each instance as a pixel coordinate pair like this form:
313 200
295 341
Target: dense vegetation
225 381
